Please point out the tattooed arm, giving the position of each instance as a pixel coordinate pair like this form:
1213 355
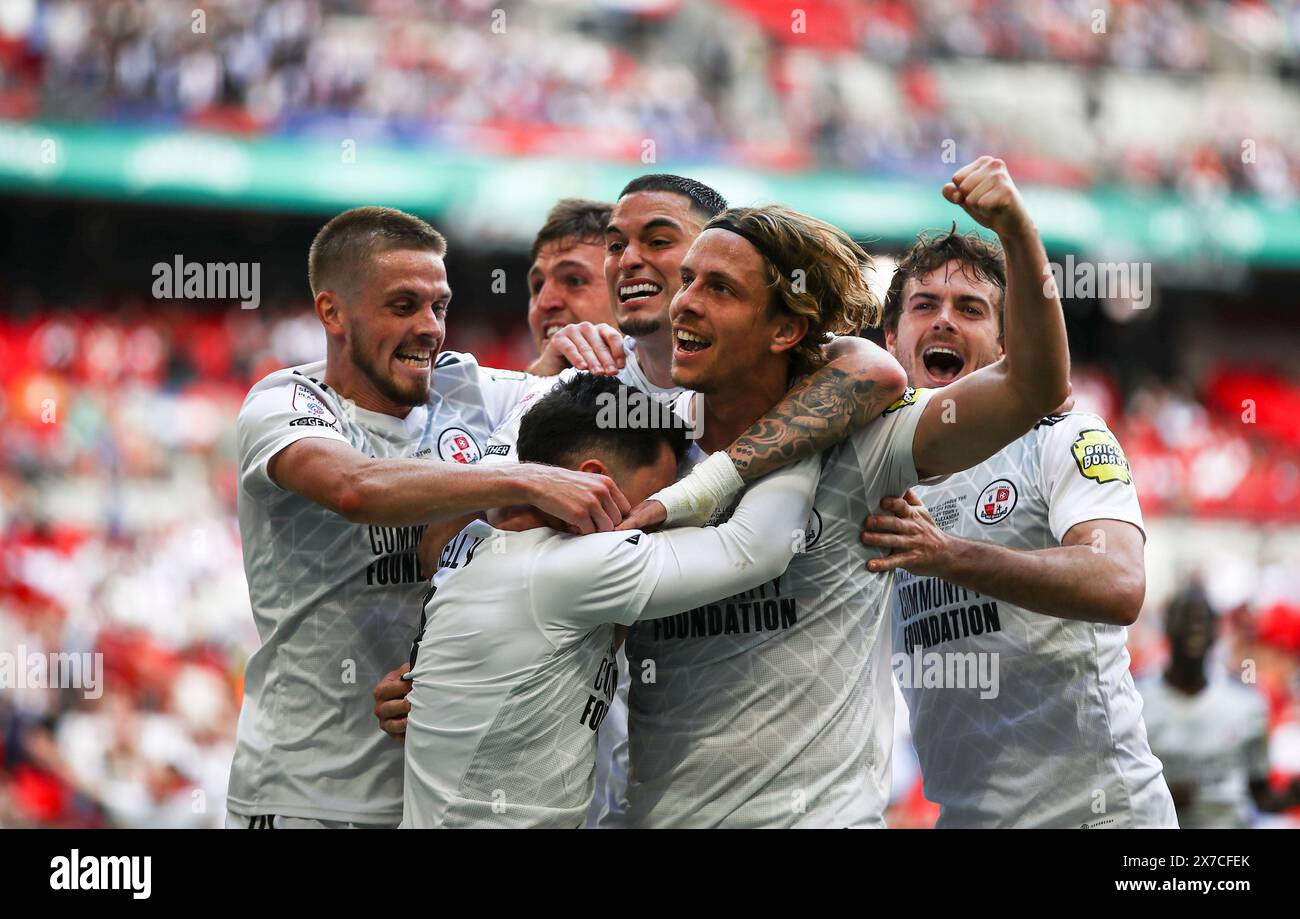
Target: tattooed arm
860 382
819 411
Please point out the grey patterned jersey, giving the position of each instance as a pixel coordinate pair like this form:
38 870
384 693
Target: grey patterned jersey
1019 718
516 671
337 603
774 707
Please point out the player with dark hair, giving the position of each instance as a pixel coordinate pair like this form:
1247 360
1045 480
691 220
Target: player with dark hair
1209 729
566 280
342 464
705 201
977 259
1025 568
515 670
653 223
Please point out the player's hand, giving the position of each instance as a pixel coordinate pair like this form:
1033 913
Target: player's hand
592 346
391 706
910 535
587 502
649 515
984 190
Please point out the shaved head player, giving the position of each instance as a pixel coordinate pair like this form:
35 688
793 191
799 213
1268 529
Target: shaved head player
342 463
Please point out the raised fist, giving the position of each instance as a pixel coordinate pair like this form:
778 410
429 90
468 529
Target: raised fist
984 190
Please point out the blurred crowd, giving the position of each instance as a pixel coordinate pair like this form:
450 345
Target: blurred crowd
118 538
1066 90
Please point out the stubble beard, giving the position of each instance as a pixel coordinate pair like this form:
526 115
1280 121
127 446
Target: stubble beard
411 397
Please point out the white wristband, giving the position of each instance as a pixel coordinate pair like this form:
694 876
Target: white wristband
694 499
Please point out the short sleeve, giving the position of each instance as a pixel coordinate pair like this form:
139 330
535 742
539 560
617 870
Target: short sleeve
502 446
503 390
598 578
275 416
1085 475
884 447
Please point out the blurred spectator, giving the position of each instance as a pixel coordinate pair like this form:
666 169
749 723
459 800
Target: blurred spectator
1209 728
1064 89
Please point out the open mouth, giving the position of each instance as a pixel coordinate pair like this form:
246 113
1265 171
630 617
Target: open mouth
942 364
641 290
549 331
416 358
689 342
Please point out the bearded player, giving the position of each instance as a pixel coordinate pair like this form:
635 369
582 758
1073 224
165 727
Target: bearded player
342 463
1028 565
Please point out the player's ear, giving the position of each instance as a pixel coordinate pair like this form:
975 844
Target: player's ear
329 311
595 467
790 330
891 338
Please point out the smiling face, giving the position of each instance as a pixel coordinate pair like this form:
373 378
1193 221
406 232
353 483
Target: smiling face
948 326
393 324
566 285
649 233
722 330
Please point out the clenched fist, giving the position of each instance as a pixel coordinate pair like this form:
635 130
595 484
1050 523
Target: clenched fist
984 190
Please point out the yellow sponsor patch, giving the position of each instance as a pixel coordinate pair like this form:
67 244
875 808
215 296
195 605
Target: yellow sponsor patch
509 375
1100 457
906 399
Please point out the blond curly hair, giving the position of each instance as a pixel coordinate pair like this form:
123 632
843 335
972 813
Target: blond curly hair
814 269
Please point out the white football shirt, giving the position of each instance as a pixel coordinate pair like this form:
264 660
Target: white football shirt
337 604
1216 742
610 800
516 668
774 707
1019 718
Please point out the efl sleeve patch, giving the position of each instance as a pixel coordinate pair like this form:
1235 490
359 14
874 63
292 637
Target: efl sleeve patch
1099 457
308 403
507 375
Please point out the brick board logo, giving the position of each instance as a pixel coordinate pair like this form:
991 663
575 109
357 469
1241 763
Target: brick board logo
458 445
1100 457
997 500
906 399
306 401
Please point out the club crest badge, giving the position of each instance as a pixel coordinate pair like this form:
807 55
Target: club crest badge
996 502
458 446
